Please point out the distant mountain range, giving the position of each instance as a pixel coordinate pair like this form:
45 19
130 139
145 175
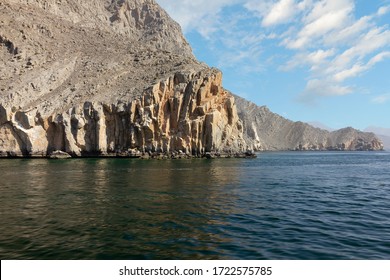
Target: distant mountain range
265 130
382 132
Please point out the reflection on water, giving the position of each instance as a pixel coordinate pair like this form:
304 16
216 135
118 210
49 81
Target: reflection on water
99 208
277 206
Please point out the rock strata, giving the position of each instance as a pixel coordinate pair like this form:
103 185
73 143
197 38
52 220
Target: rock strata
186 112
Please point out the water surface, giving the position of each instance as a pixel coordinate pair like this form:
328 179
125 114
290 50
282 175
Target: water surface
279 206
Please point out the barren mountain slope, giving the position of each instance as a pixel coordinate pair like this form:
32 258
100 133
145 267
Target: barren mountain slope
101 76
76 51
265 130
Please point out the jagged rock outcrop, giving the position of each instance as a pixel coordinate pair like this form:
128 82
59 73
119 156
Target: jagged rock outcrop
106 77
264 130
190 113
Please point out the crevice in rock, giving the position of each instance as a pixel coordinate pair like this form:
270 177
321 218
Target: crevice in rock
9 45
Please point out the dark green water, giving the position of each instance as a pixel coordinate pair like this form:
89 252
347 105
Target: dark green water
278 206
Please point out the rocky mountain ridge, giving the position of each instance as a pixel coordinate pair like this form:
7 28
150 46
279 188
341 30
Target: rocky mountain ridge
267 131
110 77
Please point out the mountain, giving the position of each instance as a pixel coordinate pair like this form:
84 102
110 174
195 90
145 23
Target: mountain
118 78
268 131
382 133
320 125
106 77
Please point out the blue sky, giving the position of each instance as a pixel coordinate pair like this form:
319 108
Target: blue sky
326 61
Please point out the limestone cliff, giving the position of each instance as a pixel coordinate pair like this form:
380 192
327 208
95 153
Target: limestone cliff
106 78
191 113
267 131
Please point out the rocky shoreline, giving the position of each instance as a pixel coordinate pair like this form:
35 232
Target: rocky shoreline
134 154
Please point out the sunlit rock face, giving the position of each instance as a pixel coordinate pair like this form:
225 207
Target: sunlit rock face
106 77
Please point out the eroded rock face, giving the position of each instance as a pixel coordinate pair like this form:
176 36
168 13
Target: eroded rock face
106 77
187 112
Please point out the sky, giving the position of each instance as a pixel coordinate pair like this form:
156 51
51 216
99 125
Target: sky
324 61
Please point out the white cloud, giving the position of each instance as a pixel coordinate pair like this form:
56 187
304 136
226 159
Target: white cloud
383 10
350 33
374 39
349 73
326 88
320 56
359 68
366 45
379 57
320 8
282 12
261 8
304 4
381 99
325 16
355 47
314 59
276 12
200 15
322 88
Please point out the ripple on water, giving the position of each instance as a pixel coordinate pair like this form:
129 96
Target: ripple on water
278 206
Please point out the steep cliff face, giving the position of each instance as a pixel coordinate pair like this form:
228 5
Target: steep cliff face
264 130
189 112
106 77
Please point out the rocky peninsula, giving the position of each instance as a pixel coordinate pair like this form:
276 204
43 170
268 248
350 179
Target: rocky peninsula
118 78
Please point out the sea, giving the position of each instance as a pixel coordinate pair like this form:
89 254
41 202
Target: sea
279 206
